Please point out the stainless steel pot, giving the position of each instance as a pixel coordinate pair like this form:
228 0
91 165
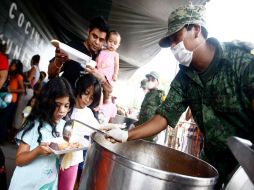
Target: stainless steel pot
141 165
239 181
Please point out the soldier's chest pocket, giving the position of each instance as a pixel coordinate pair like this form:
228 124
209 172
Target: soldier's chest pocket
225 103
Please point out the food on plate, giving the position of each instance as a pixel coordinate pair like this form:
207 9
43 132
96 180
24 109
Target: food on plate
65 145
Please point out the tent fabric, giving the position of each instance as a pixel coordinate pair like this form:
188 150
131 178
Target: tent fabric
29 25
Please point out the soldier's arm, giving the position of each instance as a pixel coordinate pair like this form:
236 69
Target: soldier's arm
153 126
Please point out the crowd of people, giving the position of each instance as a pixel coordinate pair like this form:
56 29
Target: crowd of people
37 110
16 91
215 82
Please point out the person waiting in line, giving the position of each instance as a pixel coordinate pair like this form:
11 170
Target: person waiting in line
15 87
37 167
87 93
215 80
3 77
151 102
5 97
40 83
108 59
138 99
31 78
4 66
49 71
91 46
33 74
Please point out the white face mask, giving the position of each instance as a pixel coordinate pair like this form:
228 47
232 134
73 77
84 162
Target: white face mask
182 55
151 85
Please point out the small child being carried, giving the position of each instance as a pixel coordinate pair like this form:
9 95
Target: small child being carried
108 59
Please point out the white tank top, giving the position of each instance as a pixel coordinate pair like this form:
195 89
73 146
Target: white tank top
37 74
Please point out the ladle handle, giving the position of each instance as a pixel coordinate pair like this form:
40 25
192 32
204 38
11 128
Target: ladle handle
90 127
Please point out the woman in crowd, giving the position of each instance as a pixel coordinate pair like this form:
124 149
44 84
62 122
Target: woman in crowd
32 76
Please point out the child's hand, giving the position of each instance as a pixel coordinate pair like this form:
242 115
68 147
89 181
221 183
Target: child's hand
43 149
25 156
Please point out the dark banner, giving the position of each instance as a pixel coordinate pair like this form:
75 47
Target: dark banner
18 29
27 26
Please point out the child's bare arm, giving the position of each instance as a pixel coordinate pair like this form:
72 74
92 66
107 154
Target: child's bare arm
24 156
116 67
31 74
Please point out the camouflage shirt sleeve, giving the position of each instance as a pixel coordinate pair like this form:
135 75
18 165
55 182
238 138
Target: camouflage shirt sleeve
174 105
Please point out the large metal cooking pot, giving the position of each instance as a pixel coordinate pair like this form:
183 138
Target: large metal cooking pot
141 165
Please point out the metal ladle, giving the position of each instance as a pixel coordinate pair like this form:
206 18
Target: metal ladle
68 128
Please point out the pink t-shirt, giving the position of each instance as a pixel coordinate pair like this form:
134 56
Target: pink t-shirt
106 62
109 110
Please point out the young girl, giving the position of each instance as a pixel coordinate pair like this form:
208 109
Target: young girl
108 59
36 167
87 93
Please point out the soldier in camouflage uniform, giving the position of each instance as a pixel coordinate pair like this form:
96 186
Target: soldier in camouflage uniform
151 102
216 80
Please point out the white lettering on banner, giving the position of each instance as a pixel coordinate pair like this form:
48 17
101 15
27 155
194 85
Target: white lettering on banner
23 22
37 38
9 46
13 6
16 52
28 25
32 33
8 42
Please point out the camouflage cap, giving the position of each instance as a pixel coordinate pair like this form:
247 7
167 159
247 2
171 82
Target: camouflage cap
191 14
153 74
